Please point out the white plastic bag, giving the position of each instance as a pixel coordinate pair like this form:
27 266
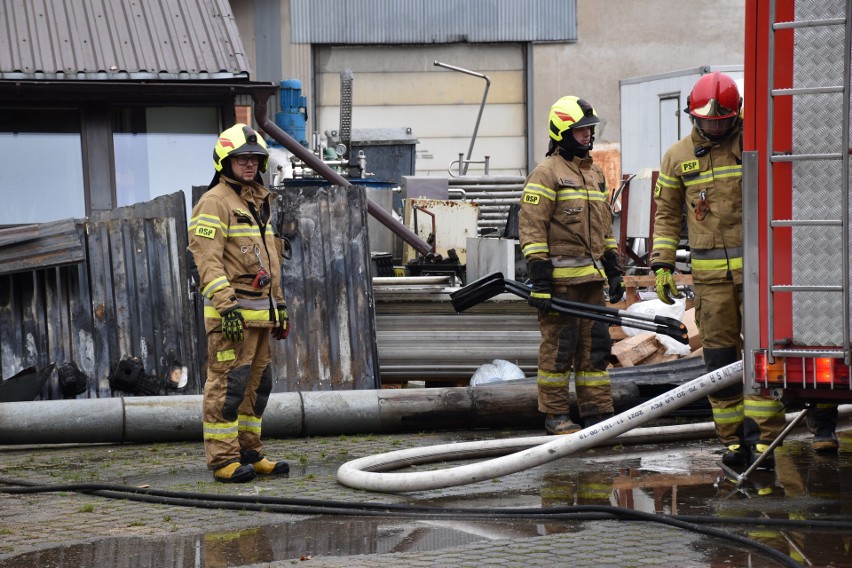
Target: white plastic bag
496 371
657 307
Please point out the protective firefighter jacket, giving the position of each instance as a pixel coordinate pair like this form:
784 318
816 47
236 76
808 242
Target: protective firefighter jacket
706 177
565 216
232 243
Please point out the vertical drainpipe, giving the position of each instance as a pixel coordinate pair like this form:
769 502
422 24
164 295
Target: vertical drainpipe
260 96
530 96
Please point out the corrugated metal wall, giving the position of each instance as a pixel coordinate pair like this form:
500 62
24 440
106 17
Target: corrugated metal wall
120 39
432 21
128 298
327 282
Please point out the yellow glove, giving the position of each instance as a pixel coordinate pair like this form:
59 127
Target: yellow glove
233 325
666 286
282 330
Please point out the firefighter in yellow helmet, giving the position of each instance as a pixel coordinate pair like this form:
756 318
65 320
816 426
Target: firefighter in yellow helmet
703 173
238 257
565 228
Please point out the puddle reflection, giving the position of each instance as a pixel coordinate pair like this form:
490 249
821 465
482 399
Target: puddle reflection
663 480
319 536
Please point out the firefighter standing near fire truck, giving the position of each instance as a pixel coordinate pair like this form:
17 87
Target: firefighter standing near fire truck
565 229
703 172
239 264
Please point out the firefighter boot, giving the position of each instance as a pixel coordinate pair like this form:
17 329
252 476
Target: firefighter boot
822 422
262 465
757 450
727 406
735 455
560 424
234 472
826 443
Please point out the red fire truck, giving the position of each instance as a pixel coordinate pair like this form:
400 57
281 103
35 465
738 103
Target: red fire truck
796 202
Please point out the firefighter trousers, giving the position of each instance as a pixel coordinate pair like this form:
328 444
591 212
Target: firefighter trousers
739 419
567 343
239 380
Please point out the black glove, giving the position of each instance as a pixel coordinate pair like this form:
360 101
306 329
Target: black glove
282 330
541 276
614 275
233 324
616 289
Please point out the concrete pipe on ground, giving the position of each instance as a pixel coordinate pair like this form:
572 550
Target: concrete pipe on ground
296 414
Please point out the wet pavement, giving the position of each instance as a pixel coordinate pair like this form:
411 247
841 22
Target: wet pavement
70 529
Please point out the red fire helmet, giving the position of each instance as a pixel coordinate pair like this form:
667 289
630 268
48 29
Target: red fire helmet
714 96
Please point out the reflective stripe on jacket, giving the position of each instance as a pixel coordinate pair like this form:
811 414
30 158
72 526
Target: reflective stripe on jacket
716 237
226 240
565 216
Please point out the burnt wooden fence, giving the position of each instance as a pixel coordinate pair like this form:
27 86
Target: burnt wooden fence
328 284
83 295
126 296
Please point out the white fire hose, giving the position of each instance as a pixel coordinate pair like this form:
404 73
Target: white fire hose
368 473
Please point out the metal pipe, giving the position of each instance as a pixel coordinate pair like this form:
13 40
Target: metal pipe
329 174
481 106
417 208
741 478
478 180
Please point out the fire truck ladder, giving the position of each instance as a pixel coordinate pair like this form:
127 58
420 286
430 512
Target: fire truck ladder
841 155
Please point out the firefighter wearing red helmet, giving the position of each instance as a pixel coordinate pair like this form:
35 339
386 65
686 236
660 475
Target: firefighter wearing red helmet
702 173
565 230
714 105
239 259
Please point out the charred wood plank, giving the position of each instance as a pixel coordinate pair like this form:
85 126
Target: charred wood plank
46 245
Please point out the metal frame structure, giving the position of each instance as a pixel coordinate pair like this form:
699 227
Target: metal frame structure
796 190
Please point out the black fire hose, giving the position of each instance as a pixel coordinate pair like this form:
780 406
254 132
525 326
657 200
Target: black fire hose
330 507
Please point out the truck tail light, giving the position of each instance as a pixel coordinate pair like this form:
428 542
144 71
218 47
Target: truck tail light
759 366
824 371
800 372
768 373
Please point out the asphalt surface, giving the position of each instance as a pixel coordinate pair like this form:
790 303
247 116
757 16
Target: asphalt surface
71 529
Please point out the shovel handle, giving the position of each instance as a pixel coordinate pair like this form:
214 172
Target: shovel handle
678 335
670 322
513 285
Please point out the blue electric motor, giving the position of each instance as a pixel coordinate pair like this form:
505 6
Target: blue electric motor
293 116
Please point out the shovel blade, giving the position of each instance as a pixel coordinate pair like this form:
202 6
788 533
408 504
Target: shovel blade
477 292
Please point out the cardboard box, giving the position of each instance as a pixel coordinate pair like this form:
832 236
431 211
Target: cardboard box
632 350
692 329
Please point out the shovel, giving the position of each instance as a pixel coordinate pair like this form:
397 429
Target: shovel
493 284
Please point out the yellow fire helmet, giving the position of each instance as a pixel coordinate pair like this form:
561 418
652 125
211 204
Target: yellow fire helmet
568 113
240 139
